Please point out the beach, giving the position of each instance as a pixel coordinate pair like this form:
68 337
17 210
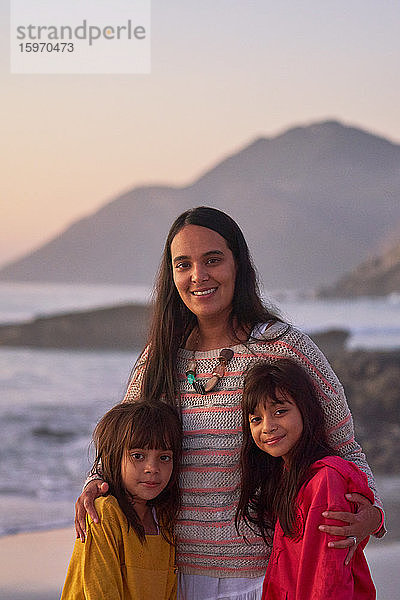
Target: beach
33 565
53 397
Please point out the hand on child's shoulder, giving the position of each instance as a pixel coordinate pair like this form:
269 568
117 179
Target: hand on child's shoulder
335 477
107 507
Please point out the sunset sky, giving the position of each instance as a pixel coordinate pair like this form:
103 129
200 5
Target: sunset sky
223 73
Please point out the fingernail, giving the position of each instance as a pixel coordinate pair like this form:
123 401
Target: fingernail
324 514
321 527
330 544
349 496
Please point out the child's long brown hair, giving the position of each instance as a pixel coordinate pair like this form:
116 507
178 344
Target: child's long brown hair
149 424
268 491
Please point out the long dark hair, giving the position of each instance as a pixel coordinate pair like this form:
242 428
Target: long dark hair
268 491
172 321
144 424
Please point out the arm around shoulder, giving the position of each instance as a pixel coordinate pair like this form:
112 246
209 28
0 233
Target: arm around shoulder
339 421
323 572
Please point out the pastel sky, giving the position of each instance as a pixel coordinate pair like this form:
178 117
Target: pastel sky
223 73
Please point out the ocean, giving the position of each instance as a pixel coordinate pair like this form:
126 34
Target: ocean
52 399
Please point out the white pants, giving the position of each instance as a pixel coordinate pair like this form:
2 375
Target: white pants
200 587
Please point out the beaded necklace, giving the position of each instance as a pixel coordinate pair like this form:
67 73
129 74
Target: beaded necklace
223 359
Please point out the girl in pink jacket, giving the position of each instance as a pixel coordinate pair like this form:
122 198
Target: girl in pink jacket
290 476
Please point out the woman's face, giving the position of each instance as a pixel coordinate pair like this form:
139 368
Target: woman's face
204 271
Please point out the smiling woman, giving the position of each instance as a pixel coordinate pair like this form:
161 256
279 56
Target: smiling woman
204 274
209 325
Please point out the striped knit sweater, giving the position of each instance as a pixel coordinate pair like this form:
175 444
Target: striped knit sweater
207 542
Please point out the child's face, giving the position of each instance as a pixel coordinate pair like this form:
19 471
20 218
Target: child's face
276 428
146 472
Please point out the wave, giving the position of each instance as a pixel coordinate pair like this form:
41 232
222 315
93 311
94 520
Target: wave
24 528
59 435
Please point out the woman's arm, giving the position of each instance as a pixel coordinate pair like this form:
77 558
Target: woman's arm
135 381
93 489
340 430
324 572
368 520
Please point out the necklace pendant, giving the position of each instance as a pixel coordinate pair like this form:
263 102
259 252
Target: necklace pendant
191 366
191 377
224 357
199 388
211 383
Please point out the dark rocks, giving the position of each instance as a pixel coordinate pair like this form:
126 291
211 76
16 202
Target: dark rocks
116 328
372 384
371 379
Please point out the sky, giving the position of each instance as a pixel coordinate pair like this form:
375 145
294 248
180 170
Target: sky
223 72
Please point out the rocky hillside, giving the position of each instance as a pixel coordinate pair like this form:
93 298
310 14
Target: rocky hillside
377 276
313 203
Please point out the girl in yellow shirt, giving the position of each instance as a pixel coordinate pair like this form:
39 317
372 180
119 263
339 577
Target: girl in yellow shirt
129 553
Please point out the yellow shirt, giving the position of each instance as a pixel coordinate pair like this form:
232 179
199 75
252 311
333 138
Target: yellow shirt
112 564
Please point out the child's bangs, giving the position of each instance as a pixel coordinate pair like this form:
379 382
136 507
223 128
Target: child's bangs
263 392
153 433
254 396
278 395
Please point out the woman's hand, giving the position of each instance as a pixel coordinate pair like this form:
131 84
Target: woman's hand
85 504
360 524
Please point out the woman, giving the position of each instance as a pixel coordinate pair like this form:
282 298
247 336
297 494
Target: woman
206 300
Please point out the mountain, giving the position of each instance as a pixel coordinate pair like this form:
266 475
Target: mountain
378 276
312 202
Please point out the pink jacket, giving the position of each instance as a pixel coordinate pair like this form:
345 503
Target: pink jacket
305 568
